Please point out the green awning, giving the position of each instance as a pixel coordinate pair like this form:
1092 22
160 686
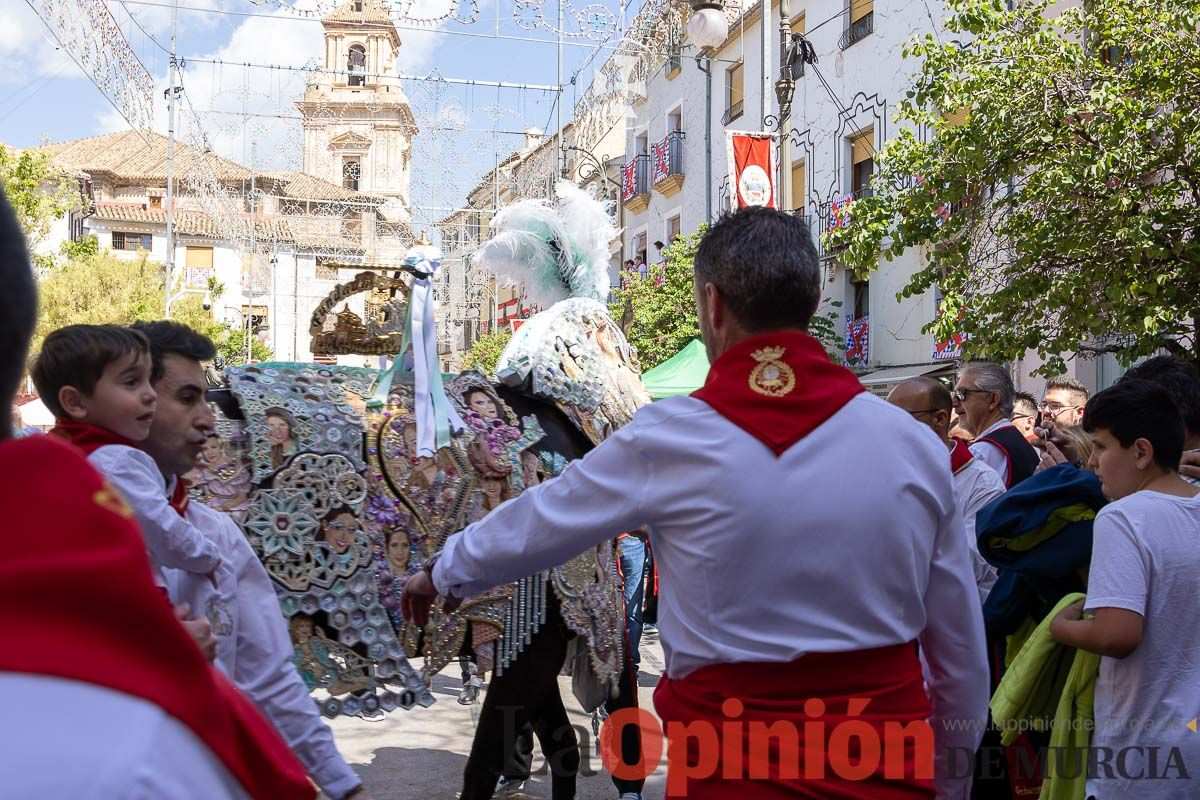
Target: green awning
683 373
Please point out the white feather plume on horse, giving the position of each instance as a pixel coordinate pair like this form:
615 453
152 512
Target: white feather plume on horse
558 250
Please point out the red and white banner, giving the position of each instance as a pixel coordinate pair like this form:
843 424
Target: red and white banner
752 169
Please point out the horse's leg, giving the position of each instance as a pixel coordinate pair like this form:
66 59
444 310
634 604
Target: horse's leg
631 735
549 716
526 694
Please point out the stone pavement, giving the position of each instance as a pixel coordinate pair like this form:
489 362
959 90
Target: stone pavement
420 754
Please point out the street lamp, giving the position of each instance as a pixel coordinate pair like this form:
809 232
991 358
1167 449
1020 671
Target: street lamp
707 29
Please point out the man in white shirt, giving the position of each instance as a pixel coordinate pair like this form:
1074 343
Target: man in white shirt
787 568
984 399
975 484
253 646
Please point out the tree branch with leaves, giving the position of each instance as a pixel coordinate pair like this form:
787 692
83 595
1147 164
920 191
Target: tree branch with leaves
1063 215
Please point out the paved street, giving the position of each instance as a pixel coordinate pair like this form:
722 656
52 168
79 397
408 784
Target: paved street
421 753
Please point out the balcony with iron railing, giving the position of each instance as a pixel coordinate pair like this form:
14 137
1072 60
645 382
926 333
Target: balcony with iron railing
635 183
667 177
837 213
857 30
733 112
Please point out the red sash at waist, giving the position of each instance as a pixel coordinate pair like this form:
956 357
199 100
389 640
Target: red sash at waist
842 725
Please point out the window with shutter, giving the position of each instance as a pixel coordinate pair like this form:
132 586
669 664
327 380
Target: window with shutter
860 9
862 160
798 186
860 22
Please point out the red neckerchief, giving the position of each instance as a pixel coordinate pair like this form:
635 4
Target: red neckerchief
88 554
961 455
180 497
88 438
778 387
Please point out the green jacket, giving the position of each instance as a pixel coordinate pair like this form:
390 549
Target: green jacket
1051 686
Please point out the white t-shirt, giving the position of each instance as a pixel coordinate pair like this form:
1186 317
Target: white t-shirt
1146 559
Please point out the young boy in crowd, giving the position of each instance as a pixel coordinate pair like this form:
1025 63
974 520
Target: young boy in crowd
95 379
1145 612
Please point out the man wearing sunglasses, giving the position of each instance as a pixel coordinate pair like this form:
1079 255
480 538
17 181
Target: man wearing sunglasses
984 397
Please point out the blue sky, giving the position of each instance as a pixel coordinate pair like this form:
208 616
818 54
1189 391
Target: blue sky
45 96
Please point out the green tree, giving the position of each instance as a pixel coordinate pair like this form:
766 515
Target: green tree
38 193
662 304
486 351
1063 215
100 288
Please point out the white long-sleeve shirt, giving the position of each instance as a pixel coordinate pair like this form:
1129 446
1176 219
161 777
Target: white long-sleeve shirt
68 739
171 540
976 485
851 539
254 649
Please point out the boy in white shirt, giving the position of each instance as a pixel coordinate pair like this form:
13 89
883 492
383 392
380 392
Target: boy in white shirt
96 381
1142 595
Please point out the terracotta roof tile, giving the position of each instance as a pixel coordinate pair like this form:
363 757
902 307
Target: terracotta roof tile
191 223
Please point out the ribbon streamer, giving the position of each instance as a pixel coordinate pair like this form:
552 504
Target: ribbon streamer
436 418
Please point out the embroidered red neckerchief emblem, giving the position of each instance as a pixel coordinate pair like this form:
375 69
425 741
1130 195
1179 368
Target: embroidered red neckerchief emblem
778 387
960 456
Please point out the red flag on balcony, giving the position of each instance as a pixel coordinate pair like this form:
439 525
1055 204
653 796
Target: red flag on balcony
752 166
629 180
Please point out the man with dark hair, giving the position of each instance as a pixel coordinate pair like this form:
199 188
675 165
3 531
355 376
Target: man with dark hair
789 573
984 398
253 645
1024 416
1181 381
88 638
1141 593
1063 402
975 483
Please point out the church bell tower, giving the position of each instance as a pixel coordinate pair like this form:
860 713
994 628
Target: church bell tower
357 123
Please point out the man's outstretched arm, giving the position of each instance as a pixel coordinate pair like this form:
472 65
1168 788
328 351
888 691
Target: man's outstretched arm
596 498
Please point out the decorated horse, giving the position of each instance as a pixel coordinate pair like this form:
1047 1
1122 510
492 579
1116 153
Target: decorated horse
349 479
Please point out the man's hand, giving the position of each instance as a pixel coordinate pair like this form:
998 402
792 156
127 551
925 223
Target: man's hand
417 599
199 629
1189 465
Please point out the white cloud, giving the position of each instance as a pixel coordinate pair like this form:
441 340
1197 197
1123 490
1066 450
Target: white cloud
27 47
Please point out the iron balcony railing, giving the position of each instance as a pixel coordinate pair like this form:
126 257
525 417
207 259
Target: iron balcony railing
733 112
857 31
668 156
635 177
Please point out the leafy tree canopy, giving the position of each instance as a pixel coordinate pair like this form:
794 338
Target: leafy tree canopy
486 351
1062 215
99 288
662 304
38 193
